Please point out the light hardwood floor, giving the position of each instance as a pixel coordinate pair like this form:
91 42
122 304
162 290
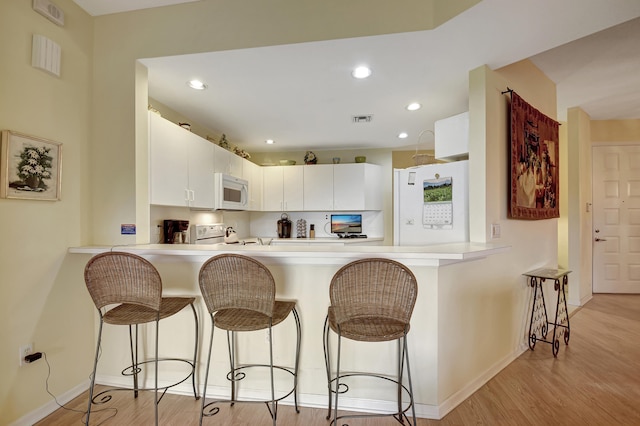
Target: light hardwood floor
593 381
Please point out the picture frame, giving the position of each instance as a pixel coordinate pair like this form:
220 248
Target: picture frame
30 167
534 163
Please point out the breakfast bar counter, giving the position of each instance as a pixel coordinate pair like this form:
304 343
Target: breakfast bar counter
453 286
318 253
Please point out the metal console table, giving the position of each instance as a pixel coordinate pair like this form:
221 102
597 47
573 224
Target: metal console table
539 324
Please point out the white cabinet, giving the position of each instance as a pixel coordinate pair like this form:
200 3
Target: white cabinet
282 188
357 186
318 187
181 166
253 174
228 162
452 137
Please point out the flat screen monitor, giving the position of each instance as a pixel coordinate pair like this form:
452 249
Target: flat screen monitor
346 223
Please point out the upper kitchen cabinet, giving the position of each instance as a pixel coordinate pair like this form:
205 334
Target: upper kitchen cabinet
283 188
253 174
228 162
357 186
452 137
318 187
181 166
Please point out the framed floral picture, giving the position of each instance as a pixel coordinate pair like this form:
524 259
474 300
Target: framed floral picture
30 167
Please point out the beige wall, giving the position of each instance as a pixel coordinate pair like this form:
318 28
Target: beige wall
615 130
39 301
498 282
576 243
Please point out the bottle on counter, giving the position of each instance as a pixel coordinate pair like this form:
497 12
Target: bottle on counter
312 231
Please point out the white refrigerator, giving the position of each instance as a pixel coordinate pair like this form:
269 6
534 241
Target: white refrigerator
430 204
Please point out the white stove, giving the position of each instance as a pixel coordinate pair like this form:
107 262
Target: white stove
207 234
214 234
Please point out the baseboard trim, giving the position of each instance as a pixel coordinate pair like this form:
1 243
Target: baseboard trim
458 398
51 406
435 412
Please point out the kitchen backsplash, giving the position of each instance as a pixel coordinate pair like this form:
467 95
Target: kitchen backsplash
260 224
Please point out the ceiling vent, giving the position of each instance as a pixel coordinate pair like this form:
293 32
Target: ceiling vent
49 11
362 118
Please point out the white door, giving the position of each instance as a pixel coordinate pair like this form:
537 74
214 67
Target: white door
616 219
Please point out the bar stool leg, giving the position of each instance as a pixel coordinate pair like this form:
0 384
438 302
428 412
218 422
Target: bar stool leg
274 404
335 410
412 401
95 367
155 390
295 376
327 362
134 359
206 375
195 353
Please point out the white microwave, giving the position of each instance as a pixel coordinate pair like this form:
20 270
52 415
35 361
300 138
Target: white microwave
231 193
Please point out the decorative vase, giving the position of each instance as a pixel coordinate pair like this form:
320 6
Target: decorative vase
32 182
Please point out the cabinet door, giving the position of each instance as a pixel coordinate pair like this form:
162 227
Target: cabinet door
293 188
235 166
200 171
272 189
318 187
228 162
357 187
253 173
222 160
168 163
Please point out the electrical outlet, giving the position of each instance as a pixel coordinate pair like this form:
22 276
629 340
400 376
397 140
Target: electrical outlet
24 351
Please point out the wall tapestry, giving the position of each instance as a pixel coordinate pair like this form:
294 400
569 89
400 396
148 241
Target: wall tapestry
30 167
534 163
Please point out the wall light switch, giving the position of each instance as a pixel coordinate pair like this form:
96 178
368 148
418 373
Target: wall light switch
495 230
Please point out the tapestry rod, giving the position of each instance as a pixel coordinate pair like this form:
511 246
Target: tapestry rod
509 91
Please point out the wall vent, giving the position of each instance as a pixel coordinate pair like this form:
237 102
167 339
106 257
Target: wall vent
49 11
362 118
45 55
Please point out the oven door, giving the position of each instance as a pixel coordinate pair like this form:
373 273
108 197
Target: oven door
232 193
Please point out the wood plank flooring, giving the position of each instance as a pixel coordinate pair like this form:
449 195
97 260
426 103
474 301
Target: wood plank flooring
593 381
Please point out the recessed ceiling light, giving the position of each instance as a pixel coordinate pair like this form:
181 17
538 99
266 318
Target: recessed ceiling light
414 106
270 141
361 72
403 135
196 84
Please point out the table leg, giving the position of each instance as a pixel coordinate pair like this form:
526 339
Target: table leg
562 313
539 319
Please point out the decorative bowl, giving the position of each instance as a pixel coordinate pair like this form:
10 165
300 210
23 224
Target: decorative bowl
287 162
361 159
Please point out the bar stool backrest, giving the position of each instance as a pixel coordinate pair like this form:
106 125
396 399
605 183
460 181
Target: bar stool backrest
370 288
118 277
232 281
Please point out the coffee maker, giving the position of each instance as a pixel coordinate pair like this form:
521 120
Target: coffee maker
172 227
284 226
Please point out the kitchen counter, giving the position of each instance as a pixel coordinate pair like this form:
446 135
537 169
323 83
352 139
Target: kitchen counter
455 299
315 252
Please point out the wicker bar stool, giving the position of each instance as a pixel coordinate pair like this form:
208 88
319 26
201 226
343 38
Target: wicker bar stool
134 285
240 296
371 301
239 293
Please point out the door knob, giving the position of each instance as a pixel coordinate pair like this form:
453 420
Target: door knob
601 239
